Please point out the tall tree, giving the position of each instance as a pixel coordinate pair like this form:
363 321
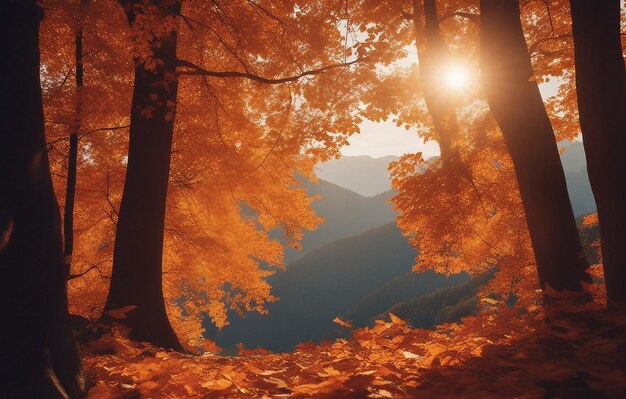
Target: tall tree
38 352
72 156
515 101
462 214
435 61
601 90
136 280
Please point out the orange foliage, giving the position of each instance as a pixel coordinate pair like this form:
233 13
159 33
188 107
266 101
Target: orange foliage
501 353
240 147
466 215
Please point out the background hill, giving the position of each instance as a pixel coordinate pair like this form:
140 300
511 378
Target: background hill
345 214
369 176
325 284
380 300
575 167
444 305
363 174
357 265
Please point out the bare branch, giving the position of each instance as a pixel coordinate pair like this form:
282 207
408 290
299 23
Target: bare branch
195 70
93 267
49 143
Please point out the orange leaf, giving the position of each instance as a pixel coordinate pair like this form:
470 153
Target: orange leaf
342 323
120 313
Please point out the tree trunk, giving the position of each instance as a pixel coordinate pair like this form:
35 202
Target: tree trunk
434 58
72 159
136 279
516 104
601 90
38 354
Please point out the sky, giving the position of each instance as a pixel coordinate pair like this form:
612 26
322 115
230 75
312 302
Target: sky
385 138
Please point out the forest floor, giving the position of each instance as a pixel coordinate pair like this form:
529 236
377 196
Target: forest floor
500 353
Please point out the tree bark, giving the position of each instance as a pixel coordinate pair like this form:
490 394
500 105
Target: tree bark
38 354
601 90
434 58
136 279
515 101
72 159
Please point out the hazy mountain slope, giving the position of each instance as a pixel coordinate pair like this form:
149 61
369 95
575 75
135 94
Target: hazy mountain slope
326 283
407 285
580 192
369 176
573 156
364 276
363 174
575 167
345 214
444 305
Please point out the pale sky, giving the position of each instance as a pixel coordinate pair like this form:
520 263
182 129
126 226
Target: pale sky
385 138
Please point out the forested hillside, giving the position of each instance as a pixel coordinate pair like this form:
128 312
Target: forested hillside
327 283
345 214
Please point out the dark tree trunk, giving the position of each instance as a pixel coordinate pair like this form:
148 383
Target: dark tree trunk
434 58
136 279
601 89
38 354
516 104
72 159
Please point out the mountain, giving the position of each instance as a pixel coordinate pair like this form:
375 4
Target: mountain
345 214
422 309
407 285
575 167
362 174
369 176
357 264
324 284
572 155
444 305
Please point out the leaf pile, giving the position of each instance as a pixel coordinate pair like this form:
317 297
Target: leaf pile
494 354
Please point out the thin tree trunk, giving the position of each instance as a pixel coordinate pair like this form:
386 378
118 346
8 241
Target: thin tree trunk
38 354
72 159
601 90
136 279
516 104
434 58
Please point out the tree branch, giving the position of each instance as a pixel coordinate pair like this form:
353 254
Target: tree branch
93 267
193 69
535 46
475 18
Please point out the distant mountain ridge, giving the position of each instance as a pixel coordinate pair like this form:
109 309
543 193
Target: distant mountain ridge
362 174
357 265
345 214
369 176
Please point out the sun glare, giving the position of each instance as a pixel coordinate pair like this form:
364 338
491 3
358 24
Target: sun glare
456 77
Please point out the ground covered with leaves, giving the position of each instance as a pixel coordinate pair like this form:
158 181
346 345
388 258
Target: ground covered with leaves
500 353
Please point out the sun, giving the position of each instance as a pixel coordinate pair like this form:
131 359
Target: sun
456 77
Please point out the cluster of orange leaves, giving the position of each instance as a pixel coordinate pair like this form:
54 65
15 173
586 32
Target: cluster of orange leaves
499 352
239 147
381 361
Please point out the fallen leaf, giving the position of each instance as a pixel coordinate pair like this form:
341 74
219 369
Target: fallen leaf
120 313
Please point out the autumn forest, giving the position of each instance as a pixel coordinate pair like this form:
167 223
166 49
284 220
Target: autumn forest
179 217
